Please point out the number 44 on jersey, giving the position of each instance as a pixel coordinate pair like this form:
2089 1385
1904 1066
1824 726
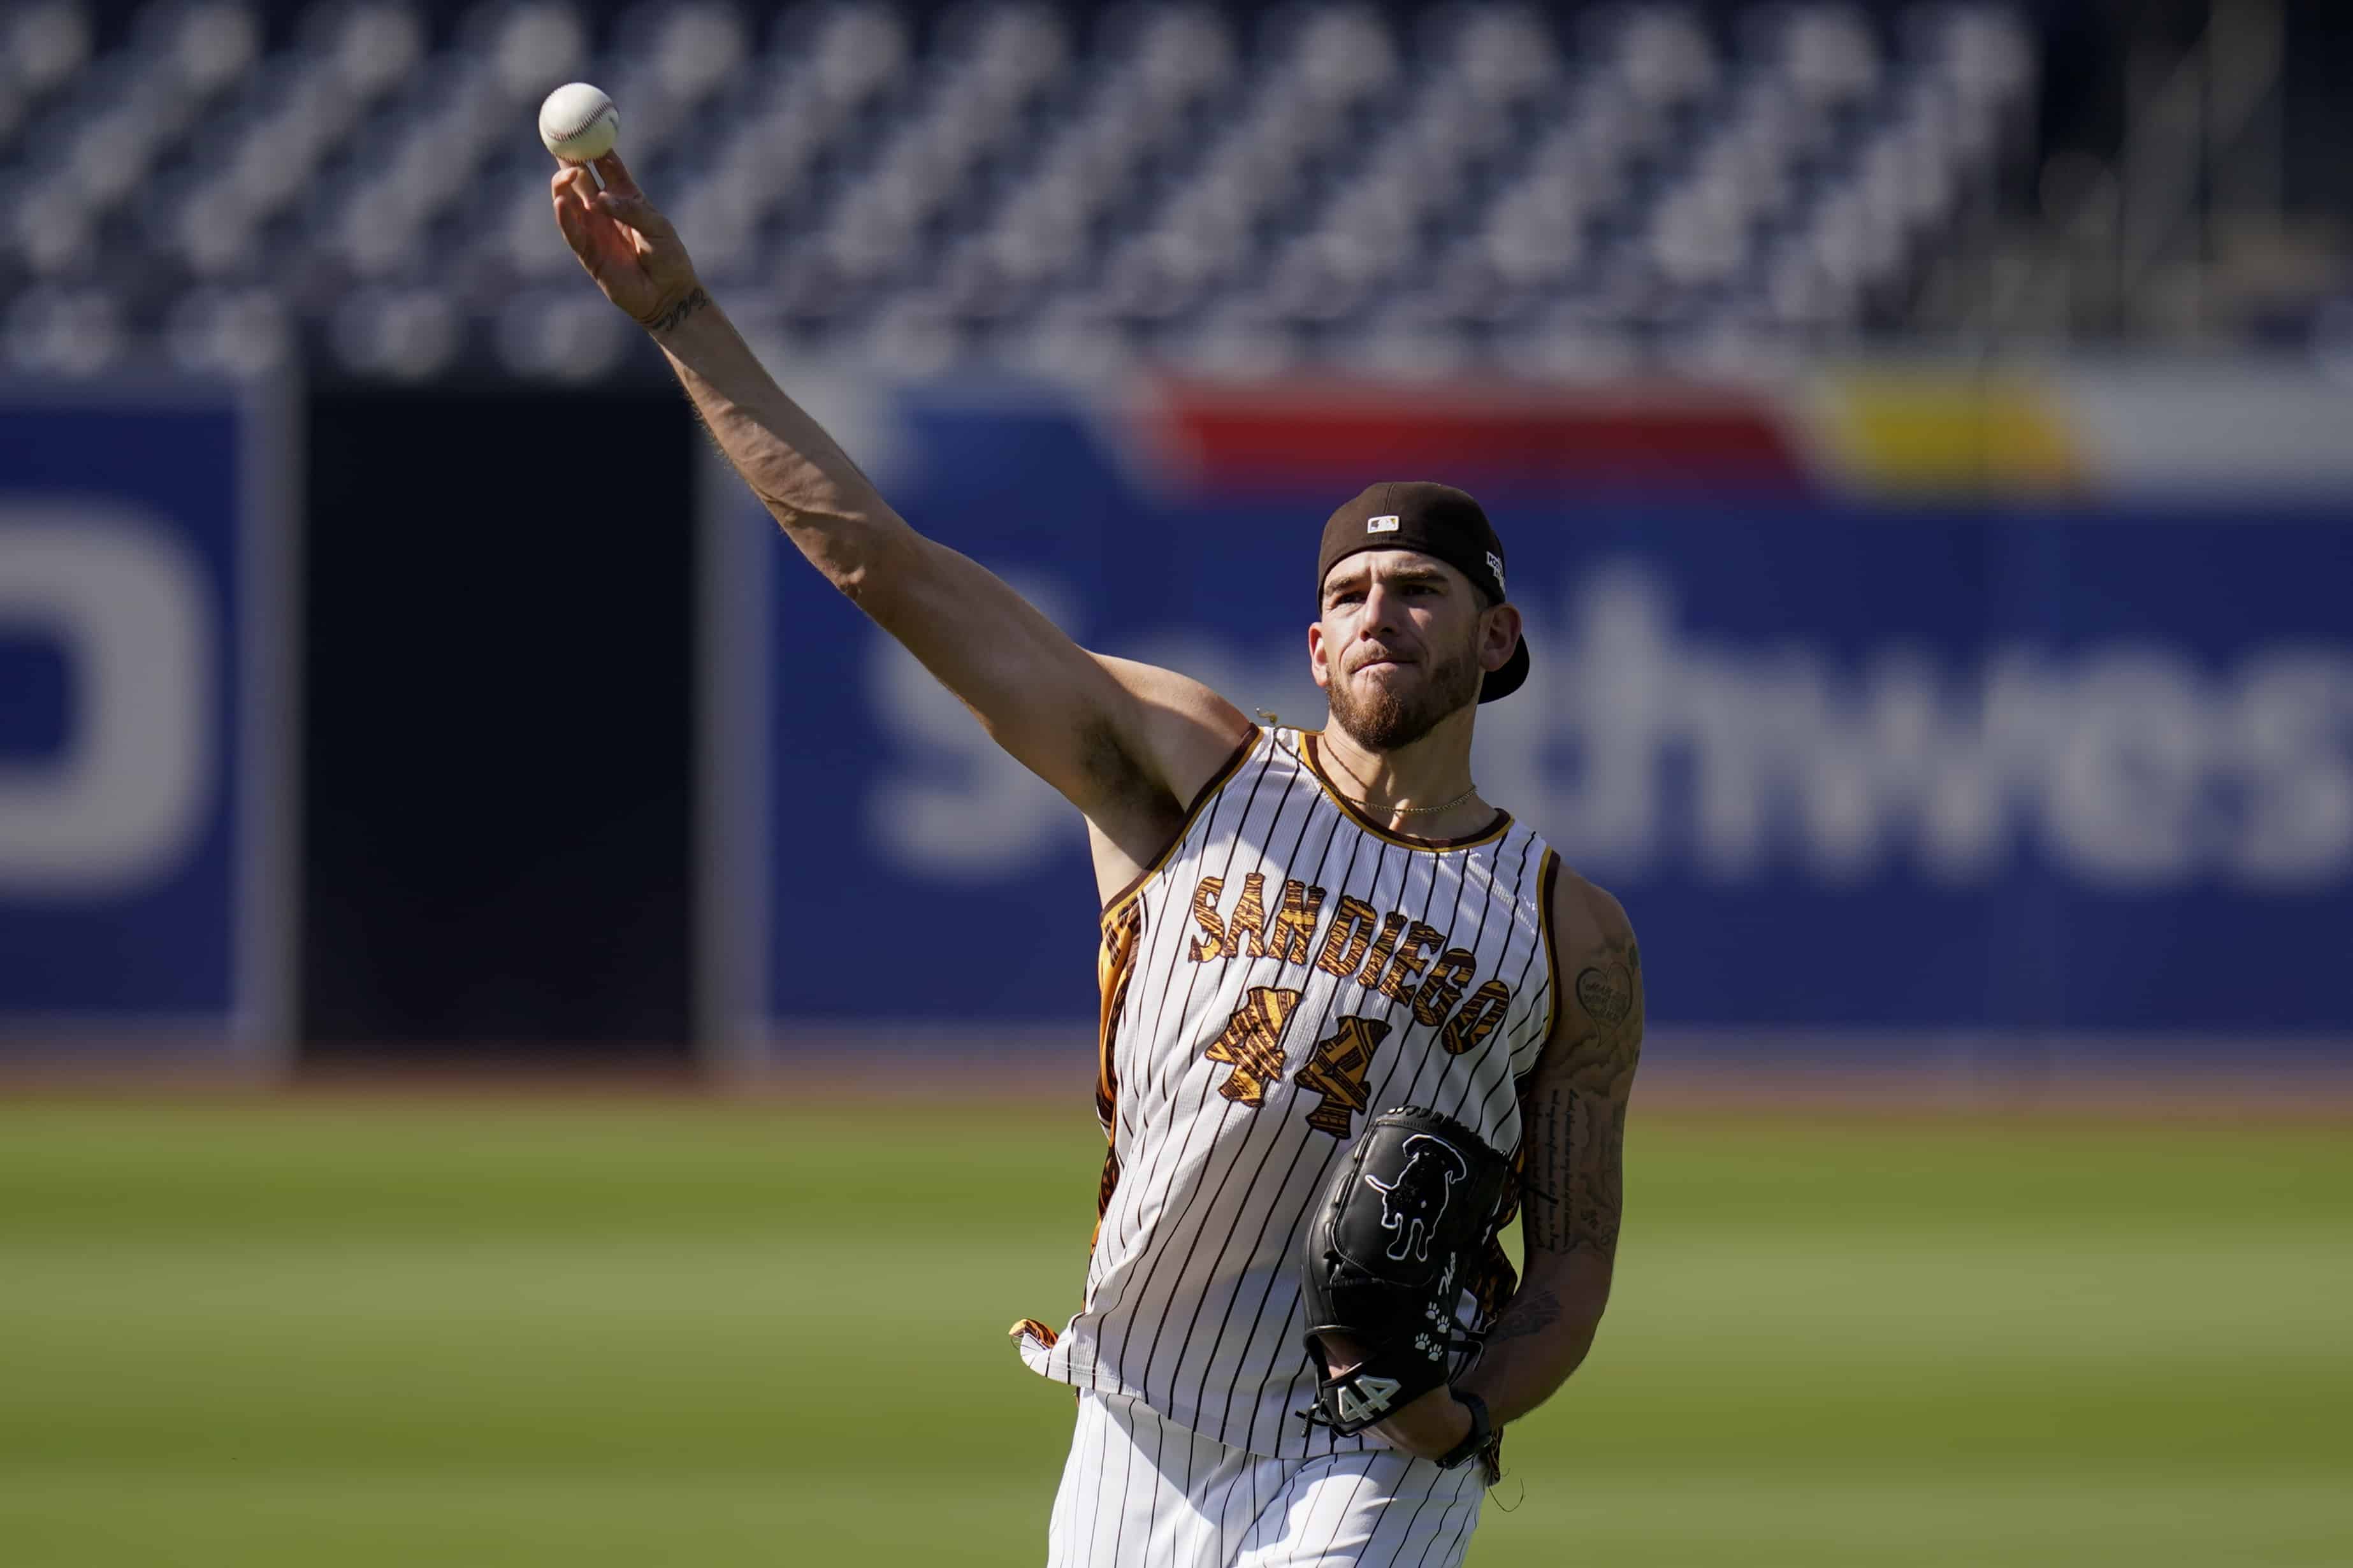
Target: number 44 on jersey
1252 1043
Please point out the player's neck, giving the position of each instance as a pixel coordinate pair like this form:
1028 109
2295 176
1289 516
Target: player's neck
1432 772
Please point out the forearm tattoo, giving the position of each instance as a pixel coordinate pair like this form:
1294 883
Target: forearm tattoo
1532 1310
1577 1113
665 319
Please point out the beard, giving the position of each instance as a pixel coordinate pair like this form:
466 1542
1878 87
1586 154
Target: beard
1390 722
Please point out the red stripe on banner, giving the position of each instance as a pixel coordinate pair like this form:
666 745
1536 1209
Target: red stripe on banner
1677 438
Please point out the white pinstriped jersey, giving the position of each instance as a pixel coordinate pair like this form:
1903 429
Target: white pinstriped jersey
1289 969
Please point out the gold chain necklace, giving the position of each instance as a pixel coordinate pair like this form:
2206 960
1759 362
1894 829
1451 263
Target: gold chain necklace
1415 810
1405 810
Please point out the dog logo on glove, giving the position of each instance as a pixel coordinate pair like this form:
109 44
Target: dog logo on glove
1411 1205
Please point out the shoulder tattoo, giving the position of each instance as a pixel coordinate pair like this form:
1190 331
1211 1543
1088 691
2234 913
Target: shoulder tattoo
1605 991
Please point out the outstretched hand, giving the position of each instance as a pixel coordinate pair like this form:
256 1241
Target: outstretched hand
628 246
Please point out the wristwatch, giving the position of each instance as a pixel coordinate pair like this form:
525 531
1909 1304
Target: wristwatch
1482 1431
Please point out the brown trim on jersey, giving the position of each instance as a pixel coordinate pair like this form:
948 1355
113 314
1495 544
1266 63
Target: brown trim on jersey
1495 829
1546 881
1217 781
1114 967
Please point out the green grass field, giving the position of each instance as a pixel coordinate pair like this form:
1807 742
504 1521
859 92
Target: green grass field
339 1333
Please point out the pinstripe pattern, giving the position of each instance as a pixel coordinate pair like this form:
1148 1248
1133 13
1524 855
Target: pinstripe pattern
1140 1489
1192 1294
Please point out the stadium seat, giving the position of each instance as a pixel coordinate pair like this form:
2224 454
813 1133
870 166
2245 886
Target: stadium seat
1459 184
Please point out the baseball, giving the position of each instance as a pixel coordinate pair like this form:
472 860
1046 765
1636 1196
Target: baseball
578 122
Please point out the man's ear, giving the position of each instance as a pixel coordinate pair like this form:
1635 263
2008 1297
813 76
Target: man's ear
1499 636
1315 657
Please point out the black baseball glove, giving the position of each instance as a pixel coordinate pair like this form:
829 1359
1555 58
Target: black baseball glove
1389 1241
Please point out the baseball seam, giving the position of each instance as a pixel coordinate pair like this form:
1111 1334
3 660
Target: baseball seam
568 135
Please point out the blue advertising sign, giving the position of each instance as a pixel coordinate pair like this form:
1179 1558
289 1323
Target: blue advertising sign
144 800
1869 772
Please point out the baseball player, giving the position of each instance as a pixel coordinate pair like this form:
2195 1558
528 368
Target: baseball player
1352 1014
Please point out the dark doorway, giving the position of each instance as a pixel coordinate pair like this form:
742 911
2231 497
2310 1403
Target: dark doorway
498 697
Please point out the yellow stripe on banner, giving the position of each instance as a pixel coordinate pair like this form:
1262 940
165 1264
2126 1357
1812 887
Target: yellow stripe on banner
1927 432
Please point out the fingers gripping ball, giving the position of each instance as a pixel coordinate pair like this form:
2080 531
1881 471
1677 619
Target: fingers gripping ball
578 122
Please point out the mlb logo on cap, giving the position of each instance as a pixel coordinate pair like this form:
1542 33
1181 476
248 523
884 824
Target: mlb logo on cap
1386 523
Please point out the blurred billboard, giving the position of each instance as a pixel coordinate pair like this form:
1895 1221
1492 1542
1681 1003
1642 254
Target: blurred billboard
144 721
1912 715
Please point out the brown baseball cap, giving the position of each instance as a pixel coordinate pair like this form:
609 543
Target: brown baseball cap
1438 521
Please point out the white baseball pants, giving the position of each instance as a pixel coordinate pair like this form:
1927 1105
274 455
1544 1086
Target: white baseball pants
1138 1490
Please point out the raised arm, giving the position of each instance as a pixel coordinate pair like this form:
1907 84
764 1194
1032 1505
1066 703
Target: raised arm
1128 745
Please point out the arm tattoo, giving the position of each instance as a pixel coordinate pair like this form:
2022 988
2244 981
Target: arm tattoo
1606 993
1532 1312
1576 1113
665 319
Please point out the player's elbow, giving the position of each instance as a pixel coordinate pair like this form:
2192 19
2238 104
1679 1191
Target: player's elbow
854 582
862 565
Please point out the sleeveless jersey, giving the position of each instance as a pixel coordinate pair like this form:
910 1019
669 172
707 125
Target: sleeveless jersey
1288 970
